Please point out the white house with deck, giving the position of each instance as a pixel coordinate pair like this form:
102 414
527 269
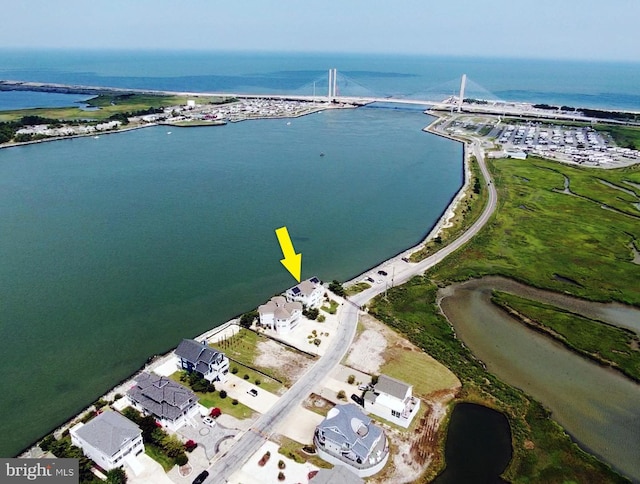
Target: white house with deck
280 315
309 292
108 439
392 400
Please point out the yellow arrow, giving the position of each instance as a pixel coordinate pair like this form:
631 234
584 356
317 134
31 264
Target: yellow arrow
292 261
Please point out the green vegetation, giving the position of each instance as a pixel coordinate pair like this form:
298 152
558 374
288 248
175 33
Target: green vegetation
546 238
356 288
467 211
211 400
332 308
625 136
599 341
292 449
591 245
243 349
247 319
336 288
64 449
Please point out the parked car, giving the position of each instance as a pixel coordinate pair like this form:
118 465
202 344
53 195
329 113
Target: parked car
209 421
201 477
359 400
383 273
363 388
253 392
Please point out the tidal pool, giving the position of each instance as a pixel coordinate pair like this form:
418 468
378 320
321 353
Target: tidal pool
597 406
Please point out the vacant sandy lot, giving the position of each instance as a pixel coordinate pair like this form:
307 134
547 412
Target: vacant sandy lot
278 357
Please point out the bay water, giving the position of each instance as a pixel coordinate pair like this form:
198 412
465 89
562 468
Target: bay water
116 248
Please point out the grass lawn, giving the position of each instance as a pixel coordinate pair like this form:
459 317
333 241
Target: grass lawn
417 368
269 384
160 457
604 343
356 288
292 449
211 400
332 308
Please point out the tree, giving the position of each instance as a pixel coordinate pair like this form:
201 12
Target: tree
247 319
311 313
181 459
116 476
336 288
173 446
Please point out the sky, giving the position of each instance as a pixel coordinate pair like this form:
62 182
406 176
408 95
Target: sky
557 29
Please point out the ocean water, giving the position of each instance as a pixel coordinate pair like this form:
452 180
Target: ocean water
576 83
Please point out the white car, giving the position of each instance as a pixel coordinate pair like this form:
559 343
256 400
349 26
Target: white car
209 421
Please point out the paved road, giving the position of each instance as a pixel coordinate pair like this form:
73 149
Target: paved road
250 441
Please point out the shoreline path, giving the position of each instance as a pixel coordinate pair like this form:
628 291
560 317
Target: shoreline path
249 443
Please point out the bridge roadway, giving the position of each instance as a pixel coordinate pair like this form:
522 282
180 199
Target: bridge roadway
249 442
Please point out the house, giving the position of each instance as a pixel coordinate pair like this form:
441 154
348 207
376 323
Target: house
348 437
308 292
169 402
392 400
108 439
204 360
280 315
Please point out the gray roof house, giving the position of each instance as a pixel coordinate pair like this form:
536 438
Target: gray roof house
108 439
392 400
170 402
348 437
211 364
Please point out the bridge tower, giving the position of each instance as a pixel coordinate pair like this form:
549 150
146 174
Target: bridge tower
333 83
463 82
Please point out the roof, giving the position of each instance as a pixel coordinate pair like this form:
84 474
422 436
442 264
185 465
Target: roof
161 396
347 426
392 387
108 432
306 287
340 474
279 307
195 352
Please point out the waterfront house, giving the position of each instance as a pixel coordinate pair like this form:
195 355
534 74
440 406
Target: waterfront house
108 439
204 360
308 292
348 437
392 400
170 403
280 315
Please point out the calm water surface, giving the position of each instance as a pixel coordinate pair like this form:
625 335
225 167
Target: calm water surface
116 248
597 406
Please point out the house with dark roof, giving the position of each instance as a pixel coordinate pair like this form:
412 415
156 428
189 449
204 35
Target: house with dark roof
169 402
204 360
348 437
108 439
280 315
308 292
392 400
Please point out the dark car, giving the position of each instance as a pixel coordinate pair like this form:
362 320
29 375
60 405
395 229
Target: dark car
201 477
359 400
383 273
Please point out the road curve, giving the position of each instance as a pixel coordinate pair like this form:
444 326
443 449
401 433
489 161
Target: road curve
249 442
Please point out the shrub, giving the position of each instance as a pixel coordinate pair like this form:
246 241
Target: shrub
281 476
223 394
117 396
321 318
246 377
100 403
317 341
45 443
234 370
181 459
190 445
234 402
281 464
351 379
374 379
342 395
257 382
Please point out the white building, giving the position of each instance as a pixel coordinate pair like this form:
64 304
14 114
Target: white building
348 437
108 439
211 364
392 400
280 315
170 403
309 293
